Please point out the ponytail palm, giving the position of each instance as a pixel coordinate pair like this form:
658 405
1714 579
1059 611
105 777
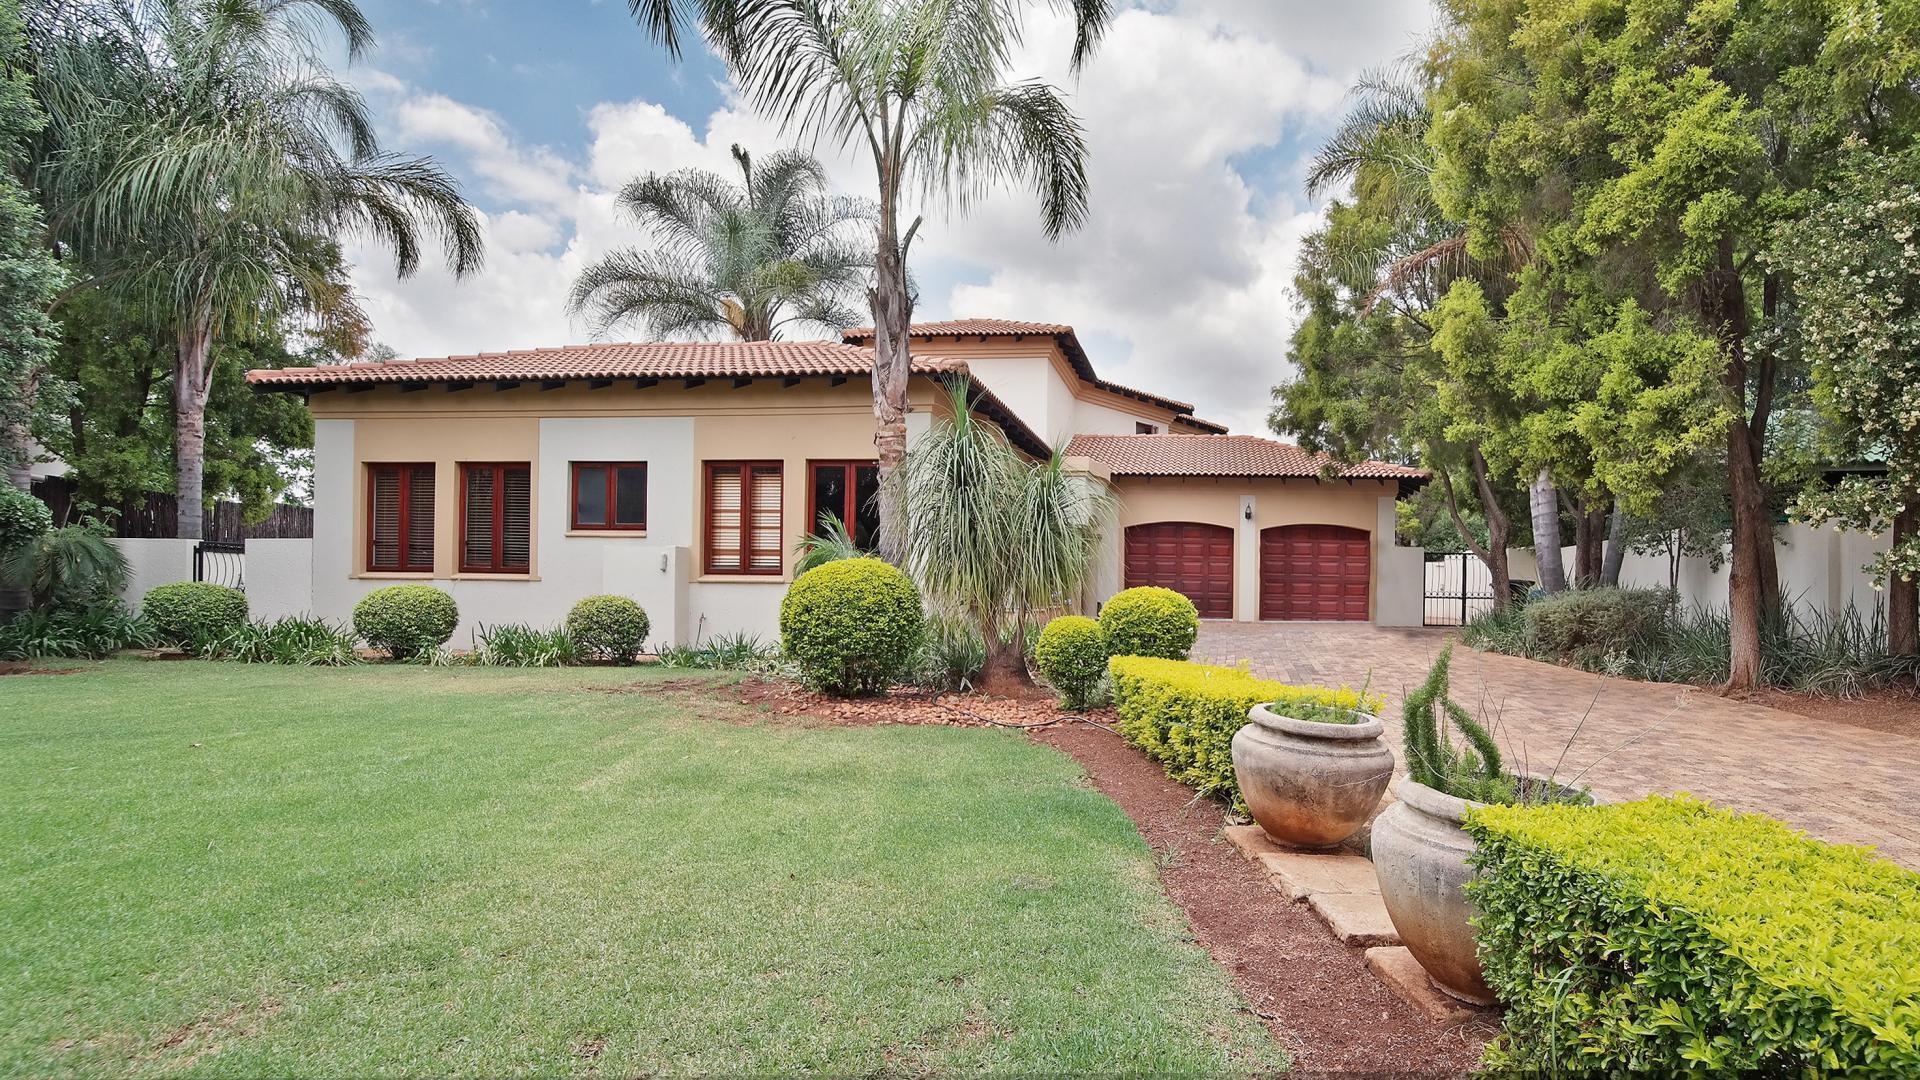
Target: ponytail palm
920 88
991 537
200 158
736 260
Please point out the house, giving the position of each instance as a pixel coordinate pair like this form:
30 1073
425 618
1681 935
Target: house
681 474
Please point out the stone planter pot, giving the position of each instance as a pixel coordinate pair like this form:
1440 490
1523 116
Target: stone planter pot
1420 858
1310 784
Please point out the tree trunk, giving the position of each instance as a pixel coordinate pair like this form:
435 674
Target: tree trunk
15 596
192 380
1903 597
1616 553
1499 529
892 367
1545 504
1753 578
1005 673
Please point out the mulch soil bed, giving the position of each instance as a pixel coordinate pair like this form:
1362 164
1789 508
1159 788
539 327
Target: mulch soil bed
1313 993
1896 712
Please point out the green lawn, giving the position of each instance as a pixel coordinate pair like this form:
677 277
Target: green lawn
237 870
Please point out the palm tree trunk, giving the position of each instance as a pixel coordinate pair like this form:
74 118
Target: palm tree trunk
192 381
1545 504
892 317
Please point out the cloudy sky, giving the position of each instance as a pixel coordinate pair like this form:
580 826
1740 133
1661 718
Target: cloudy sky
1199 115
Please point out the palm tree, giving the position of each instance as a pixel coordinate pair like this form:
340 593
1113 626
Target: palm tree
992 538
919 86
200 156
739 260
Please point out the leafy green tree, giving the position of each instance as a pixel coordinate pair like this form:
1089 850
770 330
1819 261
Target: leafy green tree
30 276
115 429
1688 519
1663 142
1854 264
201 159
920 87
739 260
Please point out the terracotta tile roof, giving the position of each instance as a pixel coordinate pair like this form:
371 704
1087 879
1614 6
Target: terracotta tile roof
654 359
1221 455
1069 343
643 360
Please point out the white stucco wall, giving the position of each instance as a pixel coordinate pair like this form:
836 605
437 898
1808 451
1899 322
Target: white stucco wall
153 562
1033 389
1093 418
279 576
1399 574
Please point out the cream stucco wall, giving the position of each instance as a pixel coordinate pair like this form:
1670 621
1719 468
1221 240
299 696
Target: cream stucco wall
1250 505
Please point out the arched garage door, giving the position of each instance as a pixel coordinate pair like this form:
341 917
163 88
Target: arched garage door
1189 558
1313 572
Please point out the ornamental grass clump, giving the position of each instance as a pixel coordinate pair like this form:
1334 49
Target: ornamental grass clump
1670 937
408 621
1072 656
851 626
1150 621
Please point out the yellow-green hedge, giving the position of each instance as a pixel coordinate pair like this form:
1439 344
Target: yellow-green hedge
1184 715
1670 937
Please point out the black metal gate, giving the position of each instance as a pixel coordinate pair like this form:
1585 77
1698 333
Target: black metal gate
1458 587
223 562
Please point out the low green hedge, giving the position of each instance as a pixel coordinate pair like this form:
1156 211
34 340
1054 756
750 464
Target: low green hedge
193 613
1670 937
406 620
1150 621
1184 715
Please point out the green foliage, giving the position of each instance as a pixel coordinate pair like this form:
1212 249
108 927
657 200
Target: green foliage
851 626
1184 715
1071 654
1584 623
742 260
1669 937
609 627
1855 261
1466 772
830 544
952 655
515 645
81 633
740 651
31 274
1150 621
291 639
408 621
191 613
74 566
22 518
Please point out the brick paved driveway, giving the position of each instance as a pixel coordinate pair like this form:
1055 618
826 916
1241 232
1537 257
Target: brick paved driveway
1836 782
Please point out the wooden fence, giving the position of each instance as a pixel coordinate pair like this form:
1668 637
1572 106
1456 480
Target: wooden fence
157 515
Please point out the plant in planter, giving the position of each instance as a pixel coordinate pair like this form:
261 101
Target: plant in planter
1311 772
1420 845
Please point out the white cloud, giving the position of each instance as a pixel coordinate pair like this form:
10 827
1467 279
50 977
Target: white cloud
1179 283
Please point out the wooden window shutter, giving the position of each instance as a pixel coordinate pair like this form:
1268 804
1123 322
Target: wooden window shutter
744 527
496 519
400 517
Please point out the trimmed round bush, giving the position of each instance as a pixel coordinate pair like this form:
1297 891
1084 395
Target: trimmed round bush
1150 621
852 626
1072 655
406 620
22 517
609 627
192 612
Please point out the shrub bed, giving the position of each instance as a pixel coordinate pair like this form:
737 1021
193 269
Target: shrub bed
1072 655
406 620
609 628
852 626
194 613
1587 624
1150 621
1667 936
1184 715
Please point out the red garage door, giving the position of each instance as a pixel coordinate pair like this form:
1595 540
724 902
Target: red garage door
1313 572
1191 559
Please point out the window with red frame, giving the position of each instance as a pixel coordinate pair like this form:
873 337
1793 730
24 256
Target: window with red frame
496 518
400 518
609 495
743 530
847 490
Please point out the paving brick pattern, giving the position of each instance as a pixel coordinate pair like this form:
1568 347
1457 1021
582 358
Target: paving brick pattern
1839 783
